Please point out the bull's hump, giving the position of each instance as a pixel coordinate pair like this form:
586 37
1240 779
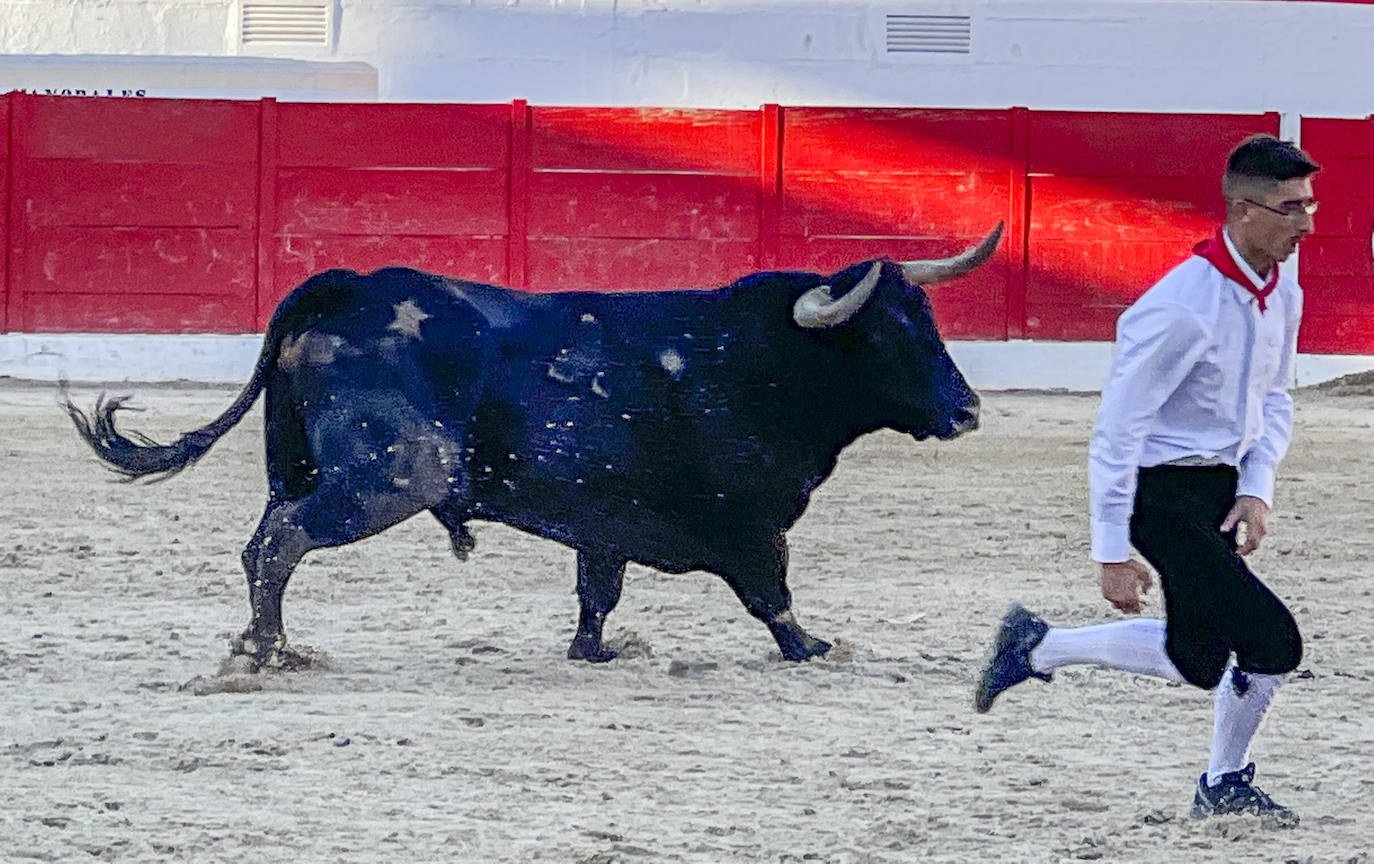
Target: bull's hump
501 308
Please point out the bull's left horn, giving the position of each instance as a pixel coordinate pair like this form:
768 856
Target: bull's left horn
816 309
943 269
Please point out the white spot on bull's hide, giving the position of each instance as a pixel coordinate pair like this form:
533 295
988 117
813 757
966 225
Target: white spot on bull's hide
408 318
598 389
579 480
672 362
688 336
372 456
610 467
624 416
588 318
785 617
391 448
438 424
363 424
332 397
550 425
569 424
486 469
559 376
512 457
509 484
400 482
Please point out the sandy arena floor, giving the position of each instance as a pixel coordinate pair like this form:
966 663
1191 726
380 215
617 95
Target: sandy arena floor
451 729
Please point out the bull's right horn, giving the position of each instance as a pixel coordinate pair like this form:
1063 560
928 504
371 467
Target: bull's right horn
930 271
816 309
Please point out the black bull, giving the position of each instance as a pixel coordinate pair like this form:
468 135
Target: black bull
683 430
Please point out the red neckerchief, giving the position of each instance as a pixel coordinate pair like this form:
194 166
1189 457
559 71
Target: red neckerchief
1215 251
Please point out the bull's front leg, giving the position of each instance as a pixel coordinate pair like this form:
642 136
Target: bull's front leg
599 580
760 582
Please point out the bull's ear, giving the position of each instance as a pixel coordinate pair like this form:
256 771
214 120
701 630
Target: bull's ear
817 309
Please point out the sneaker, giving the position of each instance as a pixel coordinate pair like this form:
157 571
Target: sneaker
1236 795
1010 664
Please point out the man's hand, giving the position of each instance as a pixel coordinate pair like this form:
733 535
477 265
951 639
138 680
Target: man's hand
1250 512
1123 583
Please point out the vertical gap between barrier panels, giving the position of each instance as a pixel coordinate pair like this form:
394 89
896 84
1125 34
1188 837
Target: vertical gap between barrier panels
1017 238
770 185
518 170
265 288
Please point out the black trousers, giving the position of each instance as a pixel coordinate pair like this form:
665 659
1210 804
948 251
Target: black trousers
1213 604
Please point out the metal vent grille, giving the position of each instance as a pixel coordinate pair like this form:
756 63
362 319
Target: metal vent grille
285 23
929 34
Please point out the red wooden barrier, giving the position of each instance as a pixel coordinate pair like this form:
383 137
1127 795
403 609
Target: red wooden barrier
1337 261
1116 200
198 216
631 198
5 136
366 186
132 215
905 183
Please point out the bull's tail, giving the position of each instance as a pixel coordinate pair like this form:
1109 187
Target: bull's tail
136 455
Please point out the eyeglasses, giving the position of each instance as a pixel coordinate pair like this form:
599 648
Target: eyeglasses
1289 210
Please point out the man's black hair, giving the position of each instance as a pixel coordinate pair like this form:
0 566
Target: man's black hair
1267 157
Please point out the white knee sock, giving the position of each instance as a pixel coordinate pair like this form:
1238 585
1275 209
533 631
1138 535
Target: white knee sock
1237 719
1134 645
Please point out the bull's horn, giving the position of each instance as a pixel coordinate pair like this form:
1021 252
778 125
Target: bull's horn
943 269
816 309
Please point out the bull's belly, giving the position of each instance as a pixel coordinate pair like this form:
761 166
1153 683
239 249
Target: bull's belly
673 540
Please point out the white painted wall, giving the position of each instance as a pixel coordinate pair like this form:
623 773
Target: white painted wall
1167 55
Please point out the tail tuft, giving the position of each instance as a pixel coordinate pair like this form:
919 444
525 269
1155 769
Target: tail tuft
135 455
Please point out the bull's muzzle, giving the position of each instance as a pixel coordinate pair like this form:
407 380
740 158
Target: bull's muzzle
965 420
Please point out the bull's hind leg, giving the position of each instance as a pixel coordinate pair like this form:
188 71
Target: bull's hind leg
366 487
599 580
340 511
759 578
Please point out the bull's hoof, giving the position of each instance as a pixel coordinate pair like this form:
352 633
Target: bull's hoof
591 650
805 651
462 542
259 653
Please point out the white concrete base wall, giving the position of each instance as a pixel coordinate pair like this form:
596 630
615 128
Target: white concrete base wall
1016 365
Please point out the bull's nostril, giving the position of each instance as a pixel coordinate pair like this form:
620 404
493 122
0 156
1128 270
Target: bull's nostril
966 419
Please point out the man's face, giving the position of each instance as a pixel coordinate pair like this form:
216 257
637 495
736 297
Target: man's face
1279 233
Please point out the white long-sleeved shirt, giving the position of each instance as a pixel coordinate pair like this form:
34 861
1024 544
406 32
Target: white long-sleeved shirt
1200 376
